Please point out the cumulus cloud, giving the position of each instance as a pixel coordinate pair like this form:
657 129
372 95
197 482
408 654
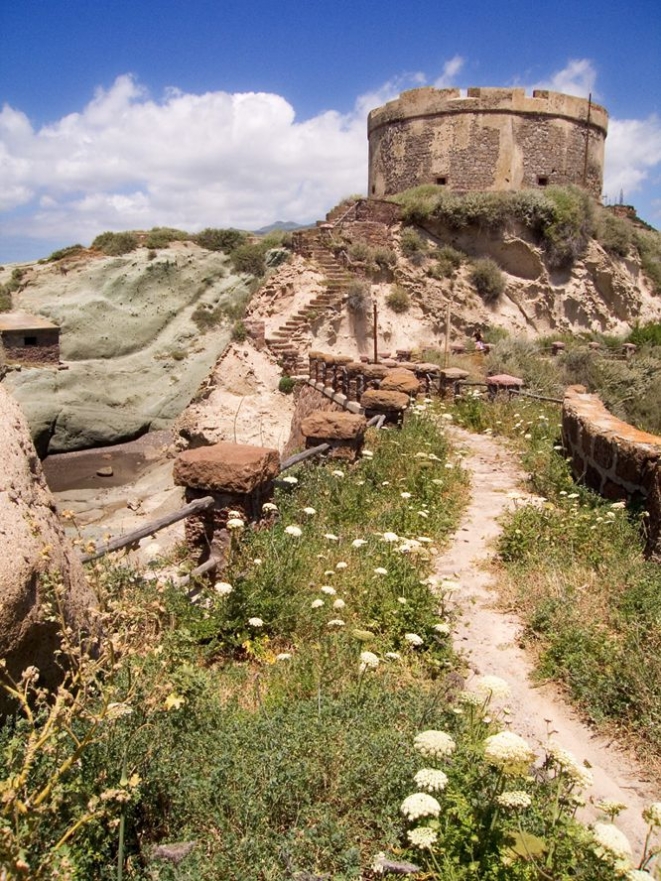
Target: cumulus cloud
450 70
129 160
577 77
633 151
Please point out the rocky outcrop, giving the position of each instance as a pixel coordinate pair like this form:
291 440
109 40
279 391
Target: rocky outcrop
37 561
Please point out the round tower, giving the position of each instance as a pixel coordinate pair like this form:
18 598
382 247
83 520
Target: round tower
489 139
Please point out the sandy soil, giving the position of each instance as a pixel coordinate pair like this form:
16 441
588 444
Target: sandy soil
489 640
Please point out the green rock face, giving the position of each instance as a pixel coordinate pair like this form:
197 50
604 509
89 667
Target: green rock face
132 342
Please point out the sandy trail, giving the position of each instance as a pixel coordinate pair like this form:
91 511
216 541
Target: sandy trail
488 638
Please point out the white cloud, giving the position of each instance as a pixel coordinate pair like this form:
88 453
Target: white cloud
633 149
450 70
127 160
188 160
578 77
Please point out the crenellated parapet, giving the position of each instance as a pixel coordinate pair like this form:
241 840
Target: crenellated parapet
487 139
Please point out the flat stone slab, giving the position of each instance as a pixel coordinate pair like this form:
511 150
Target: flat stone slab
226 467
384 401
333 426
504 380
452 374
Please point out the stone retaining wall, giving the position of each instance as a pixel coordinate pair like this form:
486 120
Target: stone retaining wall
612 457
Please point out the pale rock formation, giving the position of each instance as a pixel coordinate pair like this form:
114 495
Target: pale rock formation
34 552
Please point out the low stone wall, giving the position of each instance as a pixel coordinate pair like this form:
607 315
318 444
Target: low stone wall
612 457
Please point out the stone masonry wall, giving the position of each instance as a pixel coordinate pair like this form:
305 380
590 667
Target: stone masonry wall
491 139
612 457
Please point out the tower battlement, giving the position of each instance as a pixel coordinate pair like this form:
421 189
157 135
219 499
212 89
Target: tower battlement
487 139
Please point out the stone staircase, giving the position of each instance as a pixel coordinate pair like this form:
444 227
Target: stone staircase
287 340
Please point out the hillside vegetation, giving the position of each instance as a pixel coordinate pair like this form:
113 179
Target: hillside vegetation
302 717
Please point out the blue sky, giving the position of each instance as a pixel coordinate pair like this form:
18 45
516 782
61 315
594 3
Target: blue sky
192 114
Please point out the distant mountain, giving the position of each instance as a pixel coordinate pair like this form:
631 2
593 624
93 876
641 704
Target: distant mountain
285 225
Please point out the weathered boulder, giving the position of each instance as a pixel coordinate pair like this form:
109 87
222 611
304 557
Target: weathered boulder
343 431
335 426
35 555
384 401
401 380
226 467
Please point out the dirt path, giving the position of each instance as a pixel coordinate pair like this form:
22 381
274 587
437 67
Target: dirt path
488 638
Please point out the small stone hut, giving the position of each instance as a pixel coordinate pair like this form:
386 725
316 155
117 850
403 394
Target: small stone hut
29 339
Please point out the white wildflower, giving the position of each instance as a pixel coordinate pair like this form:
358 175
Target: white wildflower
447 416
405 495
235 523
283 656
296 531
290 479
223 588
492 686
269 507
339 604
449 586
652 814
515 799
612 843
471 698
443 628
413 639
402 600
309 511
238 514
257 561
358 542
431 780
330 536
422 837
420 804
316 604
434 744
336 622
337 473
392 656
380 571
341 565
328 590
255 622
116 710
509 752
390 536
367 454
562 759
368 661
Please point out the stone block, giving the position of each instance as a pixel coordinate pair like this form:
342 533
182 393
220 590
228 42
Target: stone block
384 401
603 452
401 380
226 467
333 426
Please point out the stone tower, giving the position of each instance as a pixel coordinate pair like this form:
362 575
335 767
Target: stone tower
491 139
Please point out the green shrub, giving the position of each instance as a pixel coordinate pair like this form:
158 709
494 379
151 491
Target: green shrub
69 251
448 260
226 240
488 279
384 258
5 299
398 300
359 251
614 234
249 258
113 244
412 242
648 243
566 236
358 298
239 332
286 385
161 236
